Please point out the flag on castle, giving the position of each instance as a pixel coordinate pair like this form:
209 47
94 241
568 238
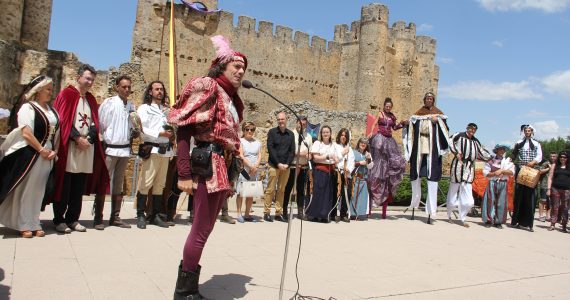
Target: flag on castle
172 72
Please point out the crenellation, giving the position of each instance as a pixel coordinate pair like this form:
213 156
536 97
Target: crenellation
318 43
354 34
225 21
374 12
340 31
283 33
265 29
246 25
400 31
301 39
425 44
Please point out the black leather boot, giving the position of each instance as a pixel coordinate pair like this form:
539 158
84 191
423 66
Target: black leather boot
141 203
115 220
156 205
187 285
98 206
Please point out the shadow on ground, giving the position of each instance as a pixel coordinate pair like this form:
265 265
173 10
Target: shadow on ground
233 284
4 289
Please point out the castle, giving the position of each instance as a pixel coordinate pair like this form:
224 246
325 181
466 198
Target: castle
347 77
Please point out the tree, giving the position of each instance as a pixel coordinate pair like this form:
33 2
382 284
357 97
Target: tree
554 145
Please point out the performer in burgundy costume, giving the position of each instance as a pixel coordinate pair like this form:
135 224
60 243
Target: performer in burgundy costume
210 110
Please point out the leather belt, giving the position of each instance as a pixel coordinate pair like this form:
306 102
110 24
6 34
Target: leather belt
118 146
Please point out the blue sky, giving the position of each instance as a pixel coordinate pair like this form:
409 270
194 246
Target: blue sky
503 63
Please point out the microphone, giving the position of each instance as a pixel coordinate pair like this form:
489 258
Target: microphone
248 85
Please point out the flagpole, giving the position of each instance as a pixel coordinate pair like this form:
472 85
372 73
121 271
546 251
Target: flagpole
172 73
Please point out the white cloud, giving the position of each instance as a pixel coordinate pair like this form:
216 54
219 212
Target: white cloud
425 27
533 113
489 91
498 44
546 130
558 83
446 60
548 6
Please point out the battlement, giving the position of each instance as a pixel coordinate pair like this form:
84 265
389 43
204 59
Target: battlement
343 35
425 44
265 29
400 31
374 12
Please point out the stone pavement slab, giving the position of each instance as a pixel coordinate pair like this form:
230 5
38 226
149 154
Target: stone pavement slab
394 258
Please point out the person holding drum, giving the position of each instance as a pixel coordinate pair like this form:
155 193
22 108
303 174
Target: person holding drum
526 153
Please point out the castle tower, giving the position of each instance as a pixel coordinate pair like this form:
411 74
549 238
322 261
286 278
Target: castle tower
371 74
427 73
402 80
36 23
11 20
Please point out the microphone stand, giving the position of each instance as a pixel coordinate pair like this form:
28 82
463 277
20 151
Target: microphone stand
247 84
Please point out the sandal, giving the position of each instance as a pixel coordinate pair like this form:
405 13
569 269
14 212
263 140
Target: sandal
550 228
40 233
26 234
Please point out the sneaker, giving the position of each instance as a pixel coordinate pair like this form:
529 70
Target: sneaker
62 227
227 219
77 227
240 219
267 218
499 226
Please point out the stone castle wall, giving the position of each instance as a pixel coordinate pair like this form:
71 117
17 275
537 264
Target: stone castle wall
333 82
355 72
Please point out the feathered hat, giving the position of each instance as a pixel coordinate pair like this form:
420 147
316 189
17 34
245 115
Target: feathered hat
224 53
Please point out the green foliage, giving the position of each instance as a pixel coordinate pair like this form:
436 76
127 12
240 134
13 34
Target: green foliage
555 145
403 195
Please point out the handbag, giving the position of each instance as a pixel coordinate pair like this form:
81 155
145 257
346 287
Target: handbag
144 151
201 162
253 189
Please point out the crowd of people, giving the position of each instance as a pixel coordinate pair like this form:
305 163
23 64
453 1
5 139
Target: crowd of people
56 154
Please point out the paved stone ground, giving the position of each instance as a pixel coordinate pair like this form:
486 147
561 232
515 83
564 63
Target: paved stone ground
392 258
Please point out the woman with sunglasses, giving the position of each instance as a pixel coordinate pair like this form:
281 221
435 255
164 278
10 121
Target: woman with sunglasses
30 150
559 191
250 153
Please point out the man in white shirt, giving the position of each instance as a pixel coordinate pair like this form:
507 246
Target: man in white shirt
527 152
303 160
116 131
157 133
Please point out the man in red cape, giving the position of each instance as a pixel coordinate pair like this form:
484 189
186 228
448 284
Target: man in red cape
76 175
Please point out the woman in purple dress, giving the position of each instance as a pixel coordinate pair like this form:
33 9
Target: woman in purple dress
389 164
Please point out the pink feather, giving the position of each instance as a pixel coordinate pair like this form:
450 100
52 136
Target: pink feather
222 46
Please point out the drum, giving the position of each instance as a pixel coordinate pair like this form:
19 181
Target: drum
528 176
